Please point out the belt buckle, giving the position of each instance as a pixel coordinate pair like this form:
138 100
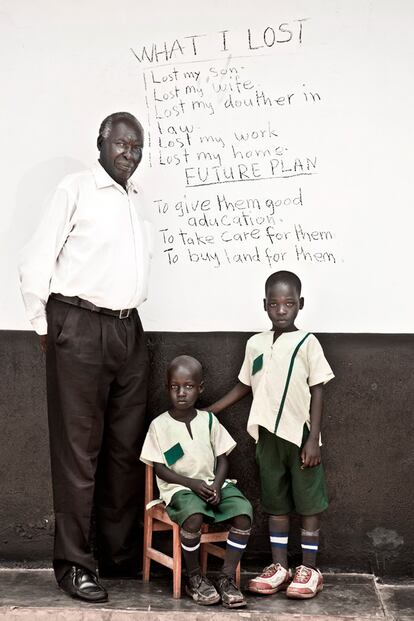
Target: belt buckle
124 313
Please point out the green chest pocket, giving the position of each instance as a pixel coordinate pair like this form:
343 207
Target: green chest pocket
173 454
257 364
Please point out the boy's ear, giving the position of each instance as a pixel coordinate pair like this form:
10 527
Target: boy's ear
301 303
201 387
264 304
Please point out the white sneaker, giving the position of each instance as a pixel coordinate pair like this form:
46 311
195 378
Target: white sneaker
306 583
273 578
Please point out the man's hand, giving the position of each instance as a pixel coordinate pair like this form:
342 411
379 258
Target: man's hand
310 454
43 342
203 490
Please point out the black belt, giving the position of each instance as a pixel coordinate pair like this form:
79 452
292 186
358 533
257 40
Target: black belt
124 313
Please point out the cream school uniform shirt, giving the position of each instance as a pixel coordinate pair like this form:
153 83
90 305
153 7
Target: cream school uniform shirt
169 442
280 375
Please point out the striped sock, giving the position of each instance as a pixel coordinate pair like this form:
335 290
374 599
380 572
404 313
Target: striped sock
190 545
310 545
279 534
236 544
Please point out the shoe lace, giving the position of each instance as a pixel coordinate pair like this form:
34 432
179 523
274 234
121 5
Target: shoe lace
269 570
195 580
205 580
228 583
302 574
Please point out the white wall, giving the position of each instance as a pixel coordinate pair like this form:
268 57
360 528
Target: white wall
338 151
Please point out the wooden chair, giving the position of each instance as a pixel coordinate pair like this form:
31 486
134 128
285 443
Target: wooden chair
156 519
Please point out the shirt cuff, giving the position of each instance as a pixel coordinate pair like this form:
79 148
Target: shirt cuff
244 380
230 448
40 325
321 379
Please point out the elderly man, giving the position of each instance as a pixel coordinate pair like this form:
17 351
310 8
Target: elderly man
83 275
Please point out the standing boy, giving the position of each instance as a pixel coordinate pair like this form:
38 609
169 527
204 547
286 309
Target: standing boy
286 369
189 449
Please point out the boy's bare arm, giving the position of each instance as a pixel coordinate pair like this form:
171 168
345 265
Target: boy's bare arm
222 467
311 452
235 394
197 486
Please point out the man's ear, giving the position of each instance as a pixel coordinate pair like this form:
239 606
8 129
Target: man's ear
301 303
201 387
99 143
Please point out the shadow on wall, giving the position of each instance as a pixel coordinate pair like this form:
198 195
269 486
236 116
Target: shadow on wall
34 189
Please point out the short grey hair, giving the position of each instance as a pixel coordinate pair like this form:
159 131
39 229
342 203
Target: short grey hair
108 122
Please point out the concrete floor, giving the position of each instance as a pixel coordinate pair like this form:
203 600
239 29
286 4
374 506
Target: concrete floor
31 595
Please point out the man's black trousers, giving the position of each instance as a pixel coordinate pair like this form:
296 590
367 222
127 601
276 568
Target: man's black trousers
97 368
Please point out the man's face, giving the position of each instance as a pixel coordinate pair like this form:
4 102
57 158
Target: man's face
121 152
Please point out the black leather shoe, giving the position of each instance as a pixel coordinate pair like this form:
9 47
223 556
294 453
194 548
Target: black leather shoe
82 584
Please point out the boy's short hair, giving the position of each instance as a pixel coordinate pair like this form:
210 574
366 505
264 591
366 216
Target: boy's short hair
285 277
191 363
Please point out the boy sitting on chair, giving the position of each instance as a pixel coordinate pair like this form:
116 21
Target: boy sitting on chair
188 449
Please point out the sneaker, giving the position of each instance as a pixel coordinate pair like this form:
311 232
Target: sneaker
231 596
306 583
202 590
273 578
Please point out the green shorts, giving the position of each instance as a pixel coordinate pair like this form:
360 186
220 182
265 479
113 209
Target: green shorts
185 503
285 487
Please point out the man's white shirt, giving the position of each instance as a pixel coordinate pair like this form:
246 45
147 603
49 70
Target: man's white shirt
93 242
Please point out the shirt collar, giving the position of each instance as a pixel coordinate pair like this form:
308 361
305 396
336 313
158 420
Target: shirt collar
103 180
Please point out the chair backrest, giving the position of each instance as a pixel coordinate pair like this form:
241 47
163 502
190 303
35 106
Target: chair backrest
149 484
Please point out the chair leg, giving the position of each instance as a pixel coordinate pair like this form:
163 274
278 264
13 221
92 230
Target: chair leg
177 562
203 559
238 575
146 564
